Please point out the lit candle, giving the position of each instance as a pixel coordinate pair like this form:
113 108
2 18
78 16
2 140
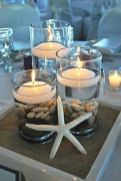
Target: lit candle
114 79
78 77
75 77
34 92
47 49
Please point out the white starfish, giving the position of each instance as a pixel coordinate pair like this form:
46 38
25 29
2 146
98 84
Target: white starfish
62 129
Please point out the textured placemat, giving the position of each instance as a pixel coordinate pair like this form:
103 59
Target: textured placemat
68 158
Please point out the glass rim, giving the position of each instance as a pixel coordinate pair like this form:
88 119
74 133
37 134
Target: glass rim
38 25
13 79
64 58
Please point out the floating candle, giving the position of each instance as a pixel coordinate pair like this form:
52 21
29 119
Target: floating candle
34 92
47 49
78 77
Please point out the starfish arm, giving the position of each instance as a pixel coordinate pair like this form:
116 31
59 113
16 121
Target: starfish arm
42 127
60 112
75 142
56 145
78 120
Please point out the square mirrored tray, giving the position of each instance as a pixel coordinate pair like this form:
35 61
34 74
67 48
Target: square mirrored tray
32 159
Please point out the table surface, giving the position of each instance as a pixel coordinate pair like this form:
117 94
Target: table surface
68 159
112 98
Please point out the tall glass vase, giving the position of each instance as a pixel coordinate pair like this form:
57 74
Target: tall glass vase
78 82
46 39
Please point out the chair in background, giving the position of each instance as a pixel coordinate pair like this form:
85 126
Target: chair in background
44 9
109 25
100 7
74 12
81 17
61 10
19 17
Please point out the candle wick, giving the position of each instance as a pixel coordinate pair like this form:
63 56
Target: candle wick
33 82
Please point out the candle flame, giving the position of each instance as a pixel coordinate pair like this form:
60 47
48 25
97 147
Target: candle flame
33 76
50 35
49 29
79 63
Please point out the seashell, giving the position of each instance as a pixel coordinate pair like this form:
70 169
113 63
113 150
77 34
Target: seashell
91 106
31 115
68 108
77 107
53 109
50 103
75 101
38 109
45 115
39 115
29 107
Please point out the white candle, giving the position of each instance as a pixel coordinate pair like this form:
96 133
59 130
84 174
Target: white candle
36 93
47 49
114 80
78 77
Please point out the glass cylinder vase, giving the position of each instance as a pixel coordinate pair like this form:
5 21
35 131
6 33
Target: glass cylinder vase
34 94
46 39
78 78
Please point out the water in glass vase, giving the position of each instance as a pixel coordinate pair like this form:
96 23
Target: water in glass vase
45 54
79 96
42 113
